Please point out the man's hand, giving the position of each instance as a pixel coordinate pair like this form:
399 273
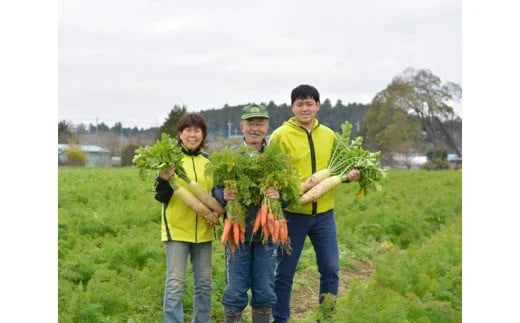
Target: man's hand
272 193
229 195
353 175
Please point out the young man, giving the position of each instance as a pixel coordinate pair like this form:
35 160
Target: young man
251 266
310 145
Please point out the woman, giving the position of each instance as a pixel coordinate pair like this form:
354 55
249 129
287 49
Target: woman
183 231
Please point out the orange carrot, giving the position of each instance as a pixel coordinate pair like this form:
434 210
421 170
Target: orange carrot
267 228
257 223
263 221
236 233
276 231
264 209
283 231
270 222
242 234
232 245
225 233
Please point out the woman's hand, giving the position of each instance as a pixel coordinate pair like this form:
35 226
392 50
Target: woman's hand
167 174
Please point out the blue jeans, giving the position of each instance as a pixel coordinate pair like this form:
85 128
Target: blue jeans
176 259
250 266
321 229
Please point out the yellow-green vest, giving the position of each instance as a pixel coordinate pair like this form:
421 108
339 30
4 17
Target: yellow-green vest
307 151
178 221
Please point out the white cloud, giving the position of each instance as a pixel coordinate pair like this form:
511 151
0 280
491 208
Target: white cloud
121 58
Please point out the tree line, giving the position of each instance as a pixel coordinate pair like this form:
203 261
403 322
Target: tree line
223 122
413 115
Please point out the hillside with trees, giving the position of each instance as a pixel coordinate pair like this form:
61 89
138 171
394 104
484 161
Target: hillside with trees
224 124
412 116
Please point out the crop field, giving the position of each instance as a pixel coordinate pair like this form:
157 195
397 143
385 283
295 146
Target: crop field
400 251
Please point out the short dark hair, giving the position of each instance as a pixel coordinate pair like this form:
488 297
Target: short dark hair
305 91
195 120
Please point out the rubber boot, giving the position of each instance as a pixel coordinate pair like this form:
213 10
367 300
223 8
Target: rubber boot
232 317
261 314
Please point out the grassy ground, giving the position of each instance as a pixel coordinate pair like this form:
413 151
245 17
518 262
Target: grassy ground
400 251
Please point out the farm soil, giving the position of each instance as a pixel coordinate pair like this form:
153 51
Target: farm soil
305 295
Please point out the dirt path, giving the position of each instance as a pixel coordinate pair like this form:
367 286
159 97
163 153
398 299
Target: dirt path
306 287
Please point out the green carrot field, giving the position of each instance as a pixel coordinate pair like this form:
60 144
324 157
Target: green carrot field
400 249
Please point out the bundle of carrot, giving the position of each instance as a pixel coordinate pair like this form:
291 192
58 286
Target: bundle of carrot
229 169
271 221
276 172
249 174
161 157
346 156
234 225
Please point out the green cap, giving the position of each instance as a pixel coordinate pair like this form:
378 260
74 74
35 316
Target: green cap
254 111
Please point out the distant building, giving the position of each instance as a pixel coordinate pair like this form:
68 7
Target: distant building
409 161
96 156
116 161
454 160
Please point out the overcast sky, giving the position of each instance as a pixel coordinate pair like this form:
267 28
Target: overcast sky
123 61
132 61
